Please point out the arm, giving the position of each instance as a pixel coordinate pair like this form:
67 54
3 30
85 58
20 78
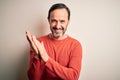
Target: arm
73 70
36 67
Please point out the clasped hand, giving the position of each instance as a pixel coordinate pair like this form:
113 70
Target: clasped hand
38 47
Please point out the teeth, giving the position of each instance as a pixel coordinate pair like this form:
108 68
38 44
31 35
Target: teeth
57 28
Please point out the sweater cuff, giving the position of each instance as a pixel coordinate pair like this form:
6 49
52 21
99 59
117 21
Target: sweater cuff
35 60
49 62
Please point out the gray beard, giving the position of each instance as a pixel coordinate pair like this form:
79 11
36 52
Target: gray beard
55 35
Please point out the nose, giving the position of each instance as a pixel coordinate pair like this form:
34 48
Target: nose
58 25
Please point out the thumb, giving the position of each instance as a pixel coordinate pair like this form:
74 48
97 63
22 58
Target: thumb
42 43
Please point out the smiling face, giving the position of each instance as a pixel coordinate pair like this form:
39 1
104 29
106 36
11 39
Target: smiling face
58 22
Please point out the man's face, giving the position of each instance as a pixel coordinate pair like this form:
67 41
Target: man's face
58 22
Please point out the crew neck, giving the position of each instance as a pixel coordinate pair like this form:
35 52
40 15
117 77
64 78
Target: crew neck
56 40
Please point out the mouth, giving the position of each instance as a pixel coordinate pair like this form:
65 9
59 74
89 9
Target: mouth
55 28
58 30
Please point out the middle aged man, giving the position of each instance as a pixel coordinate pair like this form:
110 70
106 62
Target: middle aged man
55 56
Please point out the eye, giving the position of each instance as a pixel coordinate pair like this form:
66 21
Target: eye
62 21
53 20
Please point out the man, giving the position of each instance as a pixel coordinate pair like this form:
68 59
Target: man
55 56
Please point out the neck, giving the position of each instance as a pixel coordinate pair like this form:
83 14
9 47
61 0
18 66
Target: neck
58 38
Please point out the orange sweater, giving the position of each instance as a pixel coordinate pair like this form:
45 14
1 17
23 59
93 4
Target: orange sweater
64 62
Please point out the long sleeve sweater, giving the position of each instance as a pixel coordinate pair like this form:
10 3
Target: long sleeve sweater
64 62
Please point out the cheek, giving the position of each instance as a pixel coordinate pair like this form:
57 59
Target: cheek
52 24
65 26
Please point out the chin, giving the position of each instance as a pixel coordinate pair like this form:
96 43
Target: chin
57 35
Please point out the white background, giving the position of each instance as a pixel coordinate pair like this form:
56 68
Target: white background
95 23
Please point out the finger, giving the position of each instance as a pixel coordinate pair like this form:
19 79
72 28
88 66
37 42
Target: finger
34 44
37 43
29 38
42 44
43 48
28 35
34 40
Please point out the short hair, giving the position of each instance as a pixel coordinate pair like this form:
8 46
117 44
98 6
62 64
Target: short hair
59 6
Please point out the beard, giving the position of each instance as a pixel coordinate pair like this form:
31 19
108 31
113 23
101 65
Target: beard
57 32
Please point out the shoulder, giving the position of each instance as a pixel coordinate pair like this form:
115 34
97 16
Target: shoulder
73 40
76 47
43 38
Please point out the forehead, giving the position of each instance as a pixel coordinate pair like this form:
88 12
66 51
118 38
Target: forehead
59 13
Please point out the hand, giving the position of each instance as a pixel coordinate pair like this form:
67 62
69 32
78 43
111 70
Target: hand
30 40
38 47
41 49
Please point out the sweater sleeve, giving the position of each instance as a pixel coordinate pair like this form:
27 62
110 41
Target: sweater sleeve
71 72
36 67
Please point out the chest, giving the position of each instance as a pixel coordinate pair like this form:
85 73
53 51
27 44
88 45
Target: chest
60 53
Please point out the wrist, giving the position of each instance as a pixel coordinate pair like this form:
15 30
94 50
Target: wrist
37 56
46 59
